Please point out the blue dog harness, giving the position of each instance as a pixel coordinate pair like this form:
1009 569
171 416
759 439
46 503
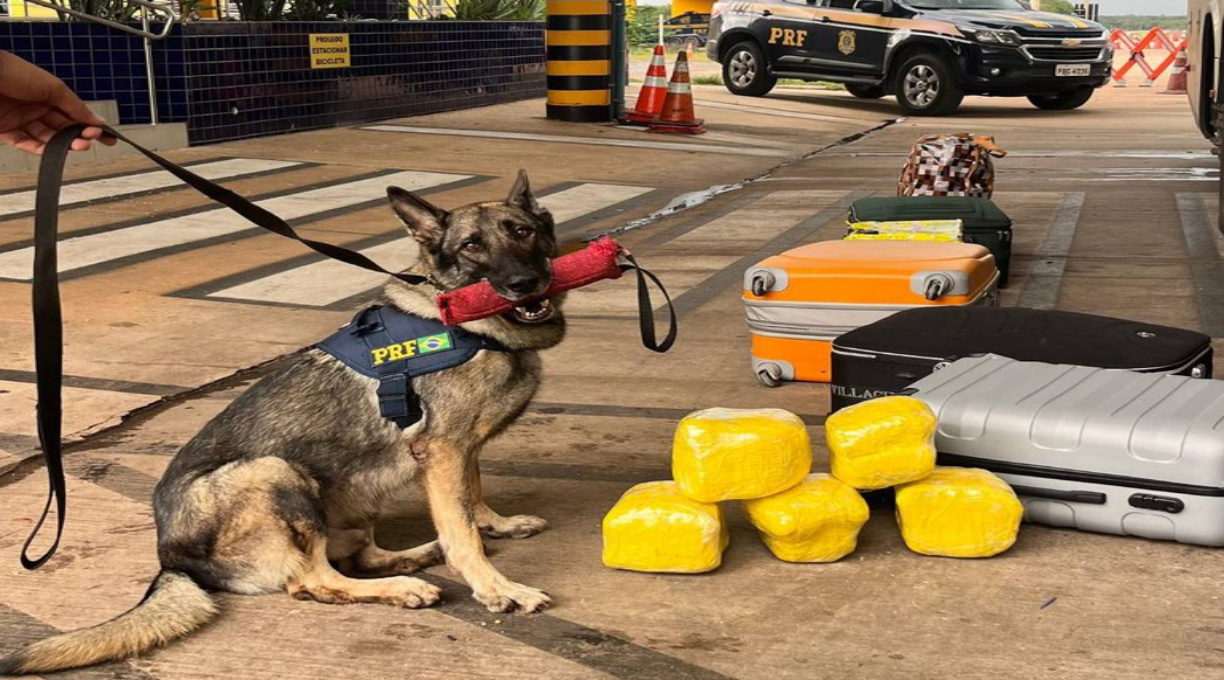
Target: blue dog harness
394 347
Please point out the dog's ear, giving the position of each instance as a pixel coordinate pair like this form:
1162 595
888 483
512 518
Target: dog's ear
425 221
521 197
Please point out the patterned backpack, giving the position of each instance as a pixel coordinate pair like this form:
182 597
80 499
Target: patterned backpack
950 165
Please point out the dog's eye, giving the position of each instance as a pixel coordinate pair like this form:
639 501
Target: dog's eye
470 246
523 232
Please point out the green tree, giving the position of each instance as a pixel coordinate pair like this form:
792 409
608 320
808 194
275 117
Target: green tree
499 10
644 29
1057 6
1134 22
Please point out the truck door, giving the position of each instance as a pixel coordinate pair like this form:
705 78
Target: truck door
788 34
850 41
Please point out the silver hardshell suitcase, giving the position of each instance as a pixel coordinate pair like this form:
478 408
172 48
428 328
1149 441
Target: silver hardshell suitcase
1096 449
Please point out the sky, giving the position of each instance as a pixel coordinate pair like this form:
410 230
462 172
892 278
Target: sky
1166 7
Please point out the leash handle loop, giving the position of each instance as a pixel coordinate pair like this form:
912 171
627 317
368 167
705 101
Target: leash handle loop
646 308
49 338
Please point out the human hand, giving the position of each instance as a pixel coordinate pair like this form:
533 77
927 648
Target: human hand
34 105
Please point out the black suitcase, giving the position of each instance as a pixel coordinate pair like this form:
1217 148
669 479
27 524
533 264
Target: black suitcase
887 356
981 220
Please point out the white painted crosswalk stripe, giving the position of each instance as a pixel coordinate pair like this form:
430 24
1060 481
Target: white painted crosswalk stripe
761 221
96 249
585 199
114 187
319 284
693 146
323 283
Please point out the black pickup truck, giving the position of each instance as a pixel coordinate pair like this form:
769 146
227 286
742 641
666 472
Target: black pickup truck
690 28
928 53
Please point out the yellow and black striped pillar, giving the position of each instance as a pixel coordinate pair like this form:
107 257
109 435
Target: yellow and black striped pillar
579 60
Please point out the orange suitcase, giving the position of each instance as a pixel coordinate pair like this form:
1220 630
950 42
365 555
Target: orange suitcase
799 301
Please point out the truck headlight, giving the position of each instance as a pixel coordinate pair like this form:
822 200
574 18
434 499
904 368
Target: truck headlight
983 35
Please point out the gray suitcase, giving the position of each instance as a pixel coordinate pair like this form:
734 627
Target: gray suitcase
1096 449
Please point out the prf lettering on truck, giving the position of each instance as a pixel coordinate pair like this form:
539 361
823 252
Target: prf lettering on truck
329 50
788 36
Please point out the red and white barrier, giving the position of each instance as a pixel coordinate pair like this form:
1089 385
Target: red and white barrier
1155 40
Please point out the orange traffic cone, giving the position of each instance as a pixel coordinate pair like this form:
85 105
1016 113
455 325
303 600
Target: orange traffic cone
1177 81
654 90
677 115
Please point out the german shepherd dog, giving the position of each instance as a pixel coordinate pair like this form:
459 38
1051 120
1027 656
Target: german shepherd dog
281 491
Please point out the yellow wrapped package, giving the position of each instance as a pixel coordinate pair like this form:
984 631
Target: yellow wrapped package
816 521
959 512
723 454
905 230
881 442
654 527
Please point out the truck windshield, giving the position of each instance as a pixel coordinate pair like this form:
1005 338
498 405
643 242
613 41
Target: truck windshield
968 4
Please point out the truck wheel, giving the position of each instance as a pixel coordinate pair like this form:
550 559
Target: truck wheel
926 86
866 91
746 72
1064 101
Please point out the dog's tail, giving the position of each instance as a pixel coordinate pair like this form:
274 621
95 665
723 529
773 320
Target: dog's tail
174 606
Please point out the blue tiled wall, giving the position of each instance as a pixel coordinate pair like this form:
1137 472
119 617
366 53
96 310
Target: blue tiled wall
99 62
232 80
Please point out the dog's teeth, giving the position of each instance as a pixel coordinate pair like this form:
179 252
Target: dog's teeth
536 311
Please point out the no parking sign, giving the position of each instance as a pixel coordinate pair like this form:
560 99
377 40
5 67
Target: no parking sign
329 50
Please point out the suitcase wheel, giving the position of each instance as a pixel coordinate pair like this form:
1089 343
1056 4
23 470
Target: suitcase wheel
769 375
937 285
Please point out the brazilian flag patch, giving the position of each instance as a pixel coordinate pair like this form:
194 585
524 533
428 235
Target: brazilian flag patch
435 343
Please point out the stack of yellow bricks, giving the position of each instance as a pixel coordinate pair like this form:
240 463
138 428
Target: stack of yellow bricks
763 458
947 511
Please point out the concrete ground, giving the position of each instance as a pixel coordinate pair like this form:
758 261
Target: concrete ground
1114 207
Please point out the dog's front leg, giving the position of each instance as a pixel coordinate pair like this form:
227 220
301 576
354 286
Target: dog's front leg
499 526
448 479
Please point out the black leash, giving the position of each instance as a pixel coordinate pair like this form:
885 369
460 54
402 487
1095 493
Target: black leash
646 309
48 317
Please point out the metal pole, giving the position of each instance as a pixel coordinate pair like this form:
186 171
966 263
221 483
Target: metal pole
620 58
660 29
148 50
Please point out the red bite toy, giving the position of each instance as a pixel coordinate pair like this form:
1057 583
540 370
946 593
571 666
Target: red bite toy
596 262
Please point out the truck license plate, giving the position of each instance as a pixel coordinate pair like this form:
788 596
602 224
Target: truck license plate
1073 70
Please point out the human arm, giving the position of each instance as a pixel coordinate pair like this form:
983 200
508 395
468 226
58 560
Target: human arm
34 105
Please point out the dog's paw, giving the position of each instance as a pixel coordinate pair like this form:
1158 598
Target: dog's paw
518 526
511 597
413 593
418 559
